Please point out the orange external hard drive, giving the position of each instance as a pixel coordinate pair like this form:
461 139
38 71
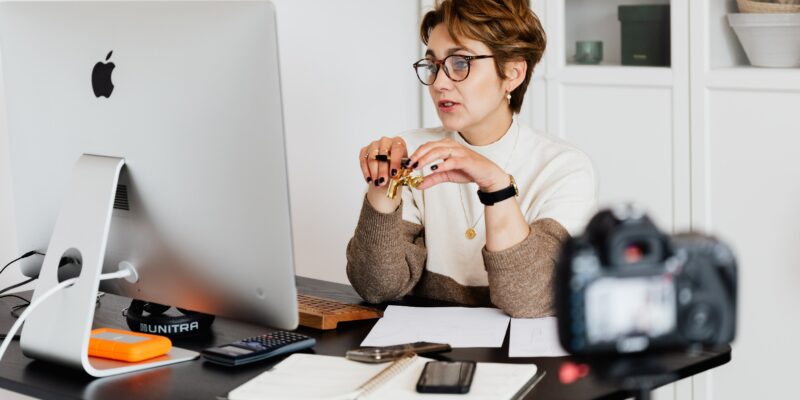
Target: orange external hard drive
127 346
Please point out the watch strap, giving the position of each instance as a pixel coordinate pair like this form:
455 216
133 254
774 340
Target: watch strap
491 198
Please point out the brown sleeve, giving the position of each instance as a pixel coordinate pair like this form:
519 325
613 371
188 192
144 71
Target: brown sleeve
386 255
521 277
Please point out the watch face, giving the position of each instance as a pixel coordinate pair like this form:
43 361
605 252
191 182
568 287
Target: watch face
514 184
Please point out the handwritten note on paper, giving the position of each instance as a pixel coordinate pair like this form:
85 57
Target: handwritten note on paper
456 326
535 337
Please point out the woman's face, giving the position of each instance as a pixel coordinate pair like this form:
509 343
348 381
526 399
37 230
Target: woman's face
470 104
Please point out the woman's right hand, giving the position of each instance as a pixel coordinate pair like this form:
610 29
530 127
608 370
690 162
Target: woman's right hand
378 173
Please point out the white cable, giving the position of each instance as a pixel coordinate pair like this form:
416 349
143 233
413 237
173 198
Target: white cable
10 335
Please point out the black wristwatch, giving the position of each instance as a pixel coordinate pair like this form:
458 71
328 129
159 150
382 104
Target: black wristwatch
495 197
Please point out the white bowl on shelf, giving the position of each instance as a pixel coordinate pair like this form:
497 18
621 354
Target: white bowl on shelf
770 40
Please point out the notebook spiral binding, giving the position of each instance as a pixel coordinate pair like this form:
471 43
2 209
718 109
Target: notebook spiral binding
387 373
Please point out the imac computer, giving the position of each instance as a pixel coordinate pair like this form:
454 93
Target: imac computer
148 135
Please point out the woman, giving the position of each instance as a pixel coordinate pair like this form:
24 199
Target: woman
486 225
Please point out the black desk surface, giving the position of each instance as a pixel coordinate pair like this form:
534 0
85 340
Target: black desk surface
201 380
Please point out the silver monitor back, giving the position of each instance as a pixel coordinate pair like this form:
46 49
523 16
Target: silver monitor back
202 209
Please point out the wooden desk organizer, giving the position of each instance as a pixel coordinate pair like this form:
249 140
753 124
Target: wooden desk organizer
319 313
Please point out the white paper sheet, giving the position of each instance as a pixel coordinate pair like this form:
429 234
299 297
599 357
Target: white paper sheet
535 337
456 326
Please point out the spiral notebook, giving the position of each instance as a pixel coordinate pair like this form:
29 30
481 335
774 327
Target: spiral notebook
309 376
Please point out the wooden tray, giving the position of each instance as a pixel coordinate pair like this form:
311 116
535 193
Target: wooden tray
319 313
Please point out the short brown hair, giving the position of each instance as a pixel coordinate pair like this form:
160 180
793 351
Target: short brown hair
508 27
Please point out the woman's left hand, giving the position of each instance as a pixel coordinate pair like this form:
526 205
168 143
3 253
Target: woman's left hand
460 165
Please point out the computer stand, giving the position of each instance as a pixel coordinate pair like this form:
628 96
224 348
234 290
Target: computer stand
58 331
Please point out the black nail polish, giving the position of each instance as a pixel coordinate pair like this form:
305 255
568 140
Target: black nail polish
434 167
377 182
381 180
394 172
369 179
415 165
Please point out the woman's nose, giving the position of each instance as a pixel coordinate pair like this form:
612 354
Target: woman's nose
442 80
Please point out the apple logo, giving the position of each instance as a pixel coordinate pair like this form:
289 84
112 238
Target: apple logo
101 78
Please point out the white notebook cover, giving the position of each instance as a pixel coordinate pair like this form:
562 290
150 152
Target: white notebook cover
308 376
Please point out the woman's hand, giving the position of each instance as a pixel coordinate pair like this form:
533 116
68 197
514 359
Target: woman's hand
377 173
460 165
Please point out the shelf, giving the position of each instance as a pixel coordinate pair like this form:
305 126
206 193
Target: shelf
754 78
596 20
605 75
724 49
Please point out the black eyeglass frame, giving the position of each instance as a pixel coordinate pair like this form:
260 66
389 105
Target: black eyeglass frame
440 64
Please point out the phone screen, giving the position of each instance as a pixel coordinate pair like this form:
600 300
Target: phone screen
446 377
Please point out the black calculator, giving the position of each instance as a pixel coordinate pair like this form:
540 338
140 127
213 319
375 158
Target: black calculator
258 348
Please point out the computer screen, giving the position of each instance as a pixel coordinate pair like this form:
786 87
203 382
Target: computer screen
188 94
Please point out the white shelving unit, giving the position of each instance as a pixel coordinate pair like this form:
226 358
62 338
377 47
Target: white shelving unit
744 128
754 78
632 121
712 140
721 60
615 76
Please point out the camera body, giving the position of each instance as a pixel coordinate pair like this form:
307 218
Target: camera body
625 287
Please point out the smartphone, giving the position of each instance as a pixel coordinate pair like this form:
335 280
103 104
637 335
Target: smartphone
391 353
446 377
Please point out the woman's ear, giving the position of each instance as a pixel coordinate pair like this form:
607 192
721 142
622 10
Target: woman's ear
515 74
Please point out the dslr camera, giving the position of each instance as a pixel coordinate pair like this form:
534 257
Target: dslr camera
625 287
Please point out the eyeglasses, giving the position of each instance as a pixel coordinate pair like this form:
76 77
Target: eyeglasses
456 67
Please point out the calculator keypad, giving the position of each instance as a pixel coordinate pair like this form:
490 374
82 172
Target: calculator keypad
259 348
270 341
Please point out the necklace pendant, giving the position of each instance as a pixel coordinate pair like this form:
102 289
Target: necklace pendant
470 233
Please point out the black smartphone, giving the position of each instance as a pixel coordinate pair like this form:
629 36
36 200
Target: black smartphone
446 377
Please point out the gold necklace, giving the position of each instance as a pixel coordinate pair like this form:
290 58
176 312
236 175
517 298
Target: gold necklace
470 233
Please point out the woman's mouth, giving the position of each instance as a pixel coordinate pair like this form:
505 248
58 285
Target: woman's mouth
447 105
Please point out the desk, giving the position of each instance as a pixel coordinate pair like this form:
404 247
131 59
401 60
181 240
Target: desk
201 380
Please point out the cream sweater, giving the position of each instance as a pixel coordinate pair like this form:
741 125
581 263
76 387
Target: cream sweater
421 247
555 180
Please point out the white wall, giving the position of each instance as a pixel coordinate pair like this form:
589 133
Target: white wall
8 238
347 79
